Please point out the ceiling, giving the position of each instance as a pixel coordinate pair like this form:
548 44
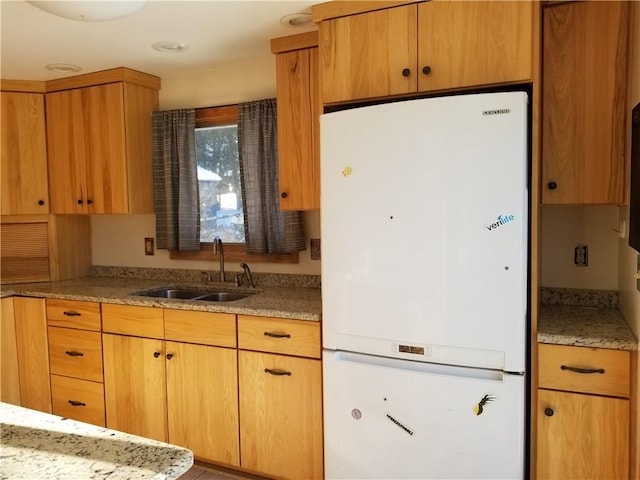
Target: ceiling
217 33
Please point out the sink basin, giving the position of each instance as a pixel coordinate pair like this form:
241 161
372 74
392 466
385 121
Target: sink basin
180 293
194 294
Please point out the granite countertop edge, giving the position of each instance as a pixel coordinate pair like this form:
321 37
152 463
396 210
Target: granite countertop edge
283 302
585 326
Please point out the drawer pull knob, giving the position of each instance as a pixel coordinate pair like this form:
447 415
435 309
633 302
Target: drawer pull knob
71 313
277 372
77 404
277 335
548 412
582 370
169 356
73 353
156 354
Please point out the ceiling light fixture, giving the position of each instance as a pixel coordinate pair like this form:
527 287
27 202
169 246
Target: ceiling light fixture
170 47
62 67
90 11
297 20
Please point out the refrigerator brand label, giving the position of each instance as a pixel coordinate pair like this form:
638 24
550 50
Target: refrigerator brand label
411 349
502 220
499 111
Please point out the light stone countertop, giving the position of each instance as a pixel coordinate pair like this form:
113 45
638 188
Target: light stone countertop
37 445
598 327
270 301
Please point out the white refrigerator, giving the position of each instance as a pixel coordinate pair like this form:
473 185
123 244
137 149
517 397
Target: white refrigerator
425 240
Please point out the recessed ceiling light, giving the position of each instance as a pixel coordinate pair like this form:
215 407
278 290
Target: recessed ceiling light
170 47
93 11
297 20
62 67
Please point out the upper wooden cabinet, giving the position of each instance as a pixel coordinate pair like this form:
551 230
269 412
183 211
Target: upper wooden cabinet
298 121
100 146
436 45
583 95
23 177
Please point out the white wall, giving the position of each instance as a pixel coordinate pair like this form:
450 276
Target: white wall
565 227
118 240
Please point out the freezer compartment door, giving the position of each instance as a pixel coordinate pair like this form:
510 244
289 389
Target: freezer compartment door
425 228
396 419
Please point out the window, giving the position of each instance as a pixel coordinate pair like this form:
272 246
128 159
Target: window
221 200
219 184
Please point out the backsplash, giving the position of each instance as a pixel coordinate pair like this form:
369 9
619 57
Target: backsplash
580 297
196 276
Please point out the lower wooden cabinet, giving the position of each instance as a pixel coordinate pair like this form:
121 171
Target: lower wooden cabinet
583 413
135 385
9 374
280 390
281 414
75 359
32 348
176 392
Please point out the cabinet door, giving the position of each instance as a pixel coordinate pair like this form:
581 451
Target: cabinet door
473 43
369 55
24 179
105 148
9 376
281 415
202 400
65 151
583 95
582 436
135 385
33 356
298 129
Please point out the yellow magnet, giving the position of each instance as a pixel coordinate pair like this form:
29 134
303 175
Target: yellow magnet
347 171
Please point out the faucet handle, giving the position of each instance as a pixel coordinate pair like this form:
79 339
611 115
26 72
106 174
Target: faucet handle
206 276
238 279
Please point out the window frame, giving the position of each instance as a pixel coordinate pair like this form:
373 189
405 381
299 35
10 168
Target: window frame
233 252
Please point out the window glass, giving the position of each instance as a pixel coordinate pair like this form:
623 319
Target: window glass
219 183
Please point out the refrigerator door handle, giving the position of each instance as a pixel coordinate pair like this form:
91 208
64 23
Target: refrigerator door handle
420 367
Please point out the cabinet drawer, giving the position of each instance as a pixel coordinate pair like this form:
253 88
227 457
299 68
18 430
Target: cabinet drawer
218 329
75 353
581 369
279 335
132 320
73 314
78 399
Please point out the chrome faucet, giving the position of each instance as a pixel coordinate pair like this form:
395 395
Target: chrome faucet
218 248
247 274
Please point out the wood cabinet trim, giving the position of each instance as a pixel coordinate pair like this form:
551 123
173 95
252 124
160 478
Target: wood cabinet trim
147 322
205 328
329 10
121 74
294 42
27 86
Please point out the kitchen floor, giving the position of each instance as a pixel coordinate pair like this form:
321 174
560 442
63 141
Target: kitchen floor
203 471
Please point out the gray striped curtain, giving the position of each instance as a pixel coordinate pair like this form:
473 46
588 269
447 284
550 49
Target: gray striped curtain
175 178
267 228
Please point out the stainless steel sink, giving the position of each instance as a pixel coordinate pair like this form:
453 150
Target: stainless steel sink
210 295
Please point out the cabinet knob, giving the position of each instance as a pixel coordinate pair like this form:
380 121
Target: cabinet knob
156 354
406 72
80 202
169 356
552 185
89 202
548 412
40 202
426 69
284 194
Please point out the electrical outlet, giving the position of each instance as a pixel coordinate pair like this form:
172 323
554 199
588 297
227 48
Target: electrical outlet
581 255
148 246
